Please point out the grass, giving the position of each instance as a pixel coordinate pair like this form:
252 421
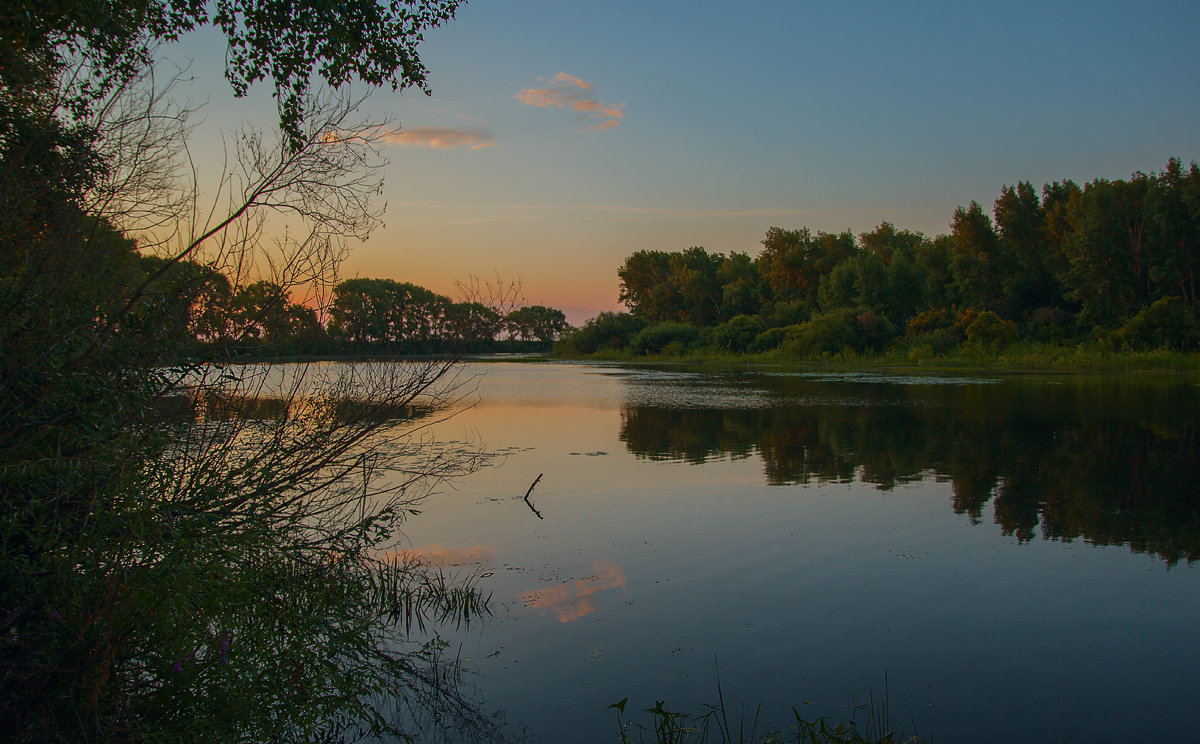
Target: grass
713 726
1022 357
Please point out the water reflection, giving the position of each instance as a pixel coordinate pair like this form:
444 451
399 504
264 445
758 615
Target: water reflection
1108 460
572 600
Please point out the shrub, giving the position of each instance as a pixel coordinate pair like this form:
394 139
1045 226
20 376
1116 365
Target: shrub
738 333
769 339
874 331
990 331
941 340
928 321
658 338
1050 324
1168 323
827 333
605 331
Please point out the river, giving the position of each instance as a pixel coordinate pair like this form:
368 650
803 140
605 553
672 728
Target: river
1016 556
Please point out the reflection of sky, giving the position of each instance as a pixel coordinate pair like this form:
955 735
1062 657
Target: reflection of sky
802 592
571 600
443 556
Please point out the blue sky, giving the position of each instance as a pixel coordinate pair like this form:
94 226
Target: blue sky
569 135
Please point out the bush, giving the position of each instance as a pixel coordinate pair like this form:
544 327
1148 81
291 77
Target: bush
785 313
769 339
1049 324
928 321
827 333
874 331
605 331
671 337
990 331
738 333
941 341
1168 323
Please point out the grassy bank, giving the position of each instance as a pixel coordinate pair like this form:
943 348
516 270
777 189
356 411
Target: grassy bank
1024 357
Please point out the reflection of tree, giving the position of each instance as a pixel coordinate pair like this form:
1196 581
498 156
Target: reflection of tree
1104 460
660 433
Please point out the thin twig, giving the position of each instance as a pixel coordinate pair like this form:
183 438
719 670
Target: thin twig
530 503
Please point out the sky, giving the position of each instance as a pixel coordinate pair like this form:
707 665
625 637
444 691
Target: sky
563 136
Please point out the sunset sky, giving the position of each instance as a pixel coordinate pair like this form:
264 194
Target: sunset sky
563 136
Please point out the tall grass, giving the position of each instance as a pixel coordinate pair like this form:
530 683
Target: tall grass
713 726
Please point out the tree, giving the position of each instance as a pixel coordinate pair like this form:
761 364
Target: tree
1106 269
359 311
194 551
468 324
289 42
1173 205
646 286
976 260
1028 282
793 261
694 272
886 241
742 289
536 323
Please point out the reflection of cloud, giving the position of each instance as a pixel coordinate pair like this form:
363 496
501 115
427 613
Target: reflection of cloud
441 138
574 599
440 555
568 91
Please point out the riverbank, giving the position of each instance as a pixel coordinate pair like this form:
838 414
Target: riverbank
1019 358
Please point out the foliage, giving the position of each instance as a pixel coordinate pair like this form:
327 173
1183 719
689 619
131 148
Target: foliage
536 323
713 725
839 330
739 333
769 339
605 331
826 333
189 550
990 331
793 261
667 337
1168 323
1064 266
685 286
291 43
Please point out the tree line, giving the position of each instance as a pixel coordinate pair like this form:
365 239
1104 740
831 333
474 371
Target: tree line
363 316
1111 261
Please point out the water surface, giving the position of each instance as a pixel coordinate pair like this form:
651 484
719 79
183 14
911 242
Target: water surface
1015 554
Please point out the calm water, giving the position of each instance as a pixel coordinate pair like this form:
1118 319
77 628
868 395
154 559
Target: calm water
1015 554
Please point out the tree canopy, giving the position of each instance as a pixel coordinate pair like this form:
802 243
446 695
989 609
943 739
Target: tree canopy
289 43
1070 262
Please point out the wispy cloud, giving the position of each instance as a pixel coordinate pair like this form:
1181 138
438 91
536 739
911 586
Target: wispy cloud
441 138
567 91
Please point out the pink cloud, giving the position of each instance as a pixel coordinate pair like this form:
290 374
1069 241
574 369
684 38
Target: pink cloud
567 91
441 138
572 600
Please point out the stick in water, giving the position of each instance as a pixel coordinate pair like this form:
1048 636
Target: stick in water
530 503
